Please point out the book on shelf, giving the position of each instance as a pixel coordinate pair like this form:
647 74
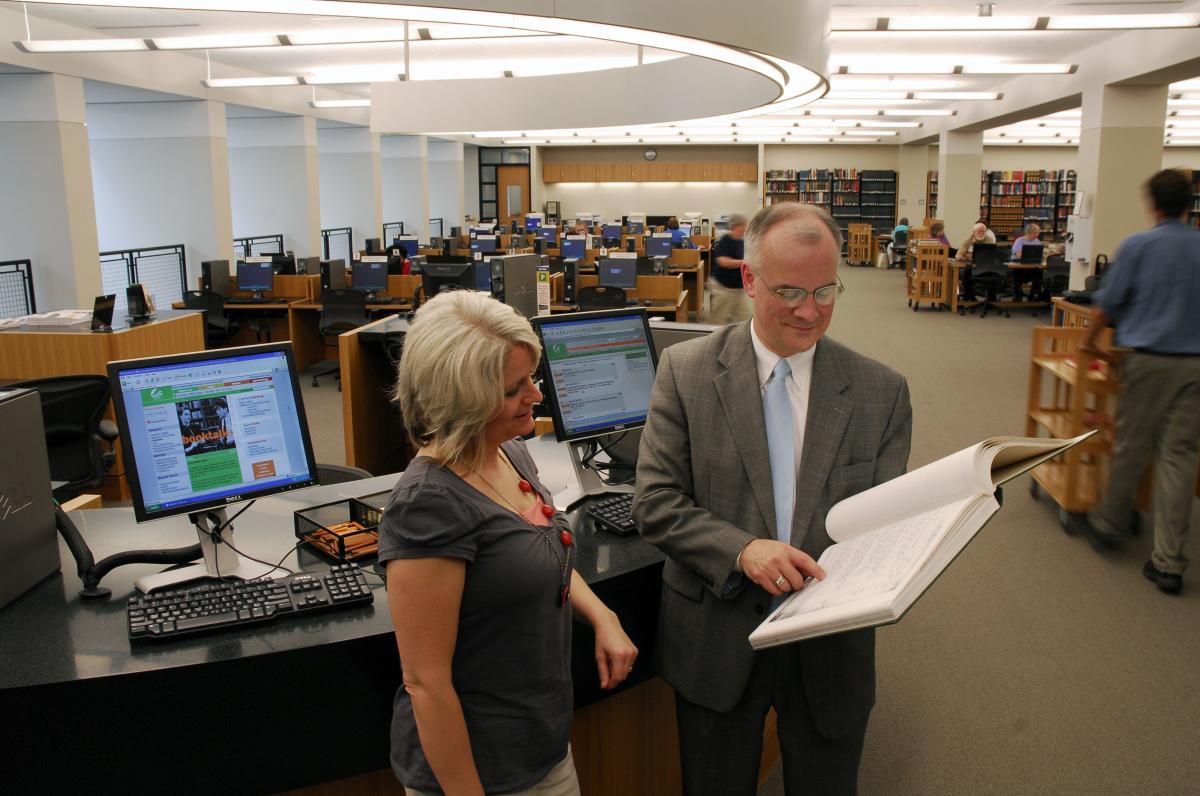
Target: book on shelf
892 541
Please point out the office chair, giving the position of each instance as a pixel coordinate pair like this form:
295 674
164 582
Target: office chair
989 278
219 328
341 311
900 246
73 416
598 297
340 474
1057 277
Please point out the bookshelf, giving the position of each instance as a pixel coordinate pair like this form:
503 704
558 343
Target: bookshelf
931 194
850 195
1011 199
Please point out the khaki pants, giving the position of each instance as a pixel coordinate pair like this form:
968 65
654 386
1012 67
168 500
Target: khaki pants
561 781
727 304
1159 414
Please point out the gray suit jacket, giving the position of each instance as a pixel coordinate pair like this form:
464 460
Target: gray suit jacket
704 492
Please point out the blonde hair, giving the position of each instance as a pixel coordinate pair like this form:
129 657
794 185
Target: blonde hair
451 376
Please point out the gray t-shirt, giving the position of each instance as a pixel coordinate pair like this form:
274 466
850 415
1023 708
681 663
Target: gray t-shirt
512 660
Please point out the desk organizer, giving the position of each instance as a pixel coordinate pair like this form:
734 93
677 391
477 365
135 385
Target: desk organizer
346 530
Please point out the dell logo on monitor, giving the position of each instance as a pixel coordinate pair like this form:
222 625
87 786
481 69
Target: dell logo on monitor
233 498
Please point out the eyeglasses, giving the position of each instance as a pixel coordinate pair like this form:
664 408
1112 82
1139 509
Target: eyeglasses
824 295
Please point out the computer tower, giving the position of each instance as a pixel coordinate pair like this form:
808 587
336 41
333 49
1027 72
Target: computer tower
539 245
214 276
308 265
570 280
28 535
514 282
333 274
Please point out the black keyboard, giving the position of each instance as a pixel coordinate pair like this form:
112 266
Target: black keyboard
223 604
614 513
380 300
247 300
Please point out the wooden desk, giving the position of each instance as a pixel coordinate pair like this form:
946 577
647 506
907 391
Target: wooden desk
666 295
1019 304
304 318
38 352
373 427
957 305
695 281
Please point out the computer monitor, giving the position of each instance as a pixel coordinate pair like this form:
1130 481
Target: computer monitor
284 264
205 430
985 254
574 247
548 234
1031 253
214 276
485 244
439 275
636 227
533 222
658 245
408 243
611 233
369 277
482 229
255 277
617 272
599 371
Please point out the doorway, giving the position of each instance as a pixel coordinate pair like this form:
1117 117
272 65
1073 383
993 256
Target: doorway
504 183
512 184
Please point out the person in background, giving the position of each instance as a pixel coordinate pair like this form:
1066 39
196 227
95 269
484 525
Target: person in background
1022 275
1150 294
891 251
937 231
753 432
728 302
979 234
481 576
679 235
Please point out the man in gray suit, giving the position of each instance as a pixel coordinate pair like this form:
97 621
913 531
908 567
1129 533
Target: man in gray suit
754 432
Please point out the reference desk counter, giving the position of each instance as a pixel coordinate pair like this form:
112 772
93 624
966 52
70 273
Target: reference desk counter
294 703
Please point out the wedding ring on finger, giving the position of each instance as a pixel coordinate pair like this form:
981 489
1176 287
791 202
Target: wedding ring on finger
781 581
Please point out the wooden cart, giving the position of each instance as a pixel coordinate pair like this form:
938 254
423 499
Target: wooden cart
858 244
928 275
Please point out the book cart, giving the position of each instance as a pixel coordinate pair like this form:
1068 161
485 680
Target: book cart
928 275
858 244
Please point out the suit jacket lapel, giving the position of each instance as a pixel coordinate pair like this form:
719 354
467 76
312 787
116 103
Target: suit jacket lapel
828 416
740 395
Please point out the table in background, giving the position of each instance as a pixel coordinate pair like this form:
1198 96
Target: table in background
28 352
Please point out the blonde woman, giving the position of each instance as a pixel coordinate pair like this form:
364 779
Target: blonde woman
480 572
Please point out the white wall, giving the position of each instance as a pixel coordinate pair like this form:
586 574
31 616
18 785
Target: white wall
158 179
351 185
654 198
447 182
403 165
1178 157
273 181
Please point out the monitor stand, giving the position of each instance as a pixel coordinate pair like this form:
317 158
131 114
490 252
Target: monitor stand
218 558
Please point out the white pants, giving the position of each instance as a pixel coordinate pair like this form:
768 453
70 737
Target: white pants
727 304
561 781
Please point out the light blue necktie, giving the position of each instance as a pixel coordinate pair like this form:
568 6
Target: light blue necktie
781 445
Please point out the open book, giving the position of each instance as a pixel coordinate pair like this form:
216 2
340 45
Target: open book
893 540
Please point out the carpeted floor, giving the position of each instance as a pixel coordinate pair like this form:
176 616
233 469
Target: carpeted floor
1034 665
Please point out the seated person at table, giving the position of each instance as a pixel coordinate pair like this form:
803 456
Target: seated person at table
679 236
480 567
891 252
581 227
979 234
937 231
1023 275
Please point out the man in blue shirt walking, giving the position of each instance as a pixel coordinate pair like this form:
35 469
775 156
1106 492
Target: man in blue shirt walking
1151 295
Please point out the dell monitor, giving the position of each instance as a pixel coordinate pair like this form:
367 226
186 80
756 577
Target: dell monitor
439 275
636 227
574 247
408 243
255 277
533 223
549 234
1031 253
204 430
658 245
485 244
370 277
611 233
599 371
617 272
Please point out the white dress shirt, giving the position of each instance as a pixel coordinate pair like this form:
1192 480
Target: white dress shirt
799 383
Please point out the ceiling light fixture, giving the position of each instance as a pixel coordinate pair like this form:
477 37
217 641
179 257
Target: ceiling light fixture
944 23
342 103
1019 69
251 82
1122 21
82 45
957 95
217 41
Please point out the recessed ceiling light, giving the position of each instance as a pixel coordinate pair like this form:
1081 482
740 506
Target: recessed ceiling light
81 45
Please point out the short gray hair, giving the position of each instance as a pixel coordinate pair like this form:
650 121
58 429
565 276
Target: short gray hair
1031 225
737 220
806 223
450 380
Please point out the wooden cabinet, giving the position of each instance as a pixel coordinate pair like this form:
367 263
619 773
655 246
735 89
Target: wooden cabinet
645 171
552 172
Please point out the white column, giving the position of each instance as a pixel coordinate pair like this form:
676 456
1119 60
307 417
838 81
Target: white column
273 181
447 192
160 173
960 161
404 166
1120 147
47 215
912 178
351 192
